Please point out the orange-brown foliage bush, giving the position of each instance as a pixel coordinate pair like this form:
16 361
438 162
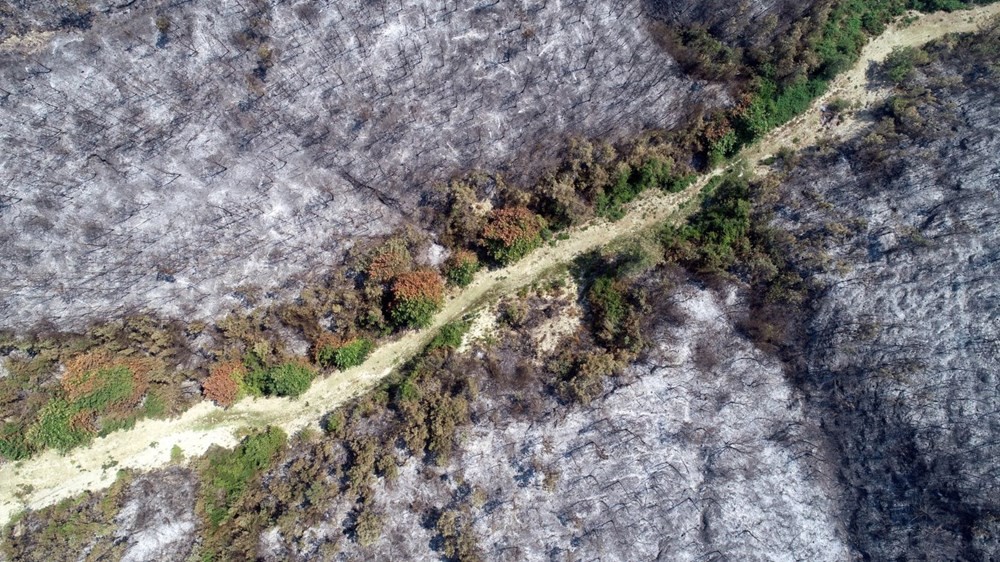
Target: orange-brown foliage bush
511 233
388 261
416 297
512 224
223 384
424 284
79 380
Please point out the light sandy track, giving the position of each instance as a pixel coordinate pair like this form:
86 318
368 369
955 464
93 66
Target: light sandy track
50 477
853 85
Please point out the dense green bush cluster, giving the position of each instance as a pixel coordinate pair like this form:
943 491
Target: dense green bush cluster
226 474
286 379
630 182
345 356
772 106
713 237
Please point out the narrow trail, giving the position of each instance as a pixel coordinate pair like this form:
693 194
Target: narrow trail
853 86
51 477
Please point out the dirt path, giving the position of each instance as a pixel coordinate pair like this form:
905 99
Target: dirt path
50 477
853 85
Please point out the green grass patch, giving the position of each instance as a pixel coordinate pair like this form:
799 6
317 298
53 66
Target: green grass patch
55 428
450 336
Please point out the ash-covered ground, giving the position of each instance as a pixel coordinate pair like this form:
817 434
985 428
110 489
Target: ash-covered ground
705 452
159 155
881 445
903 349
702 449
876 442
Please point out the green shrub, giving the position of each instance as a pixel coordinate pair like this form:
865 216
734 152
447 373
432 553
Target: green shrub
901 62
228 473
350 354
287 379
771 106
946 5
450 336
406 390
368 528
584 379
255 378
680 183
461 268
722 148
414 313
636 256
629 183
607 304
98 394
334 423
13 444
